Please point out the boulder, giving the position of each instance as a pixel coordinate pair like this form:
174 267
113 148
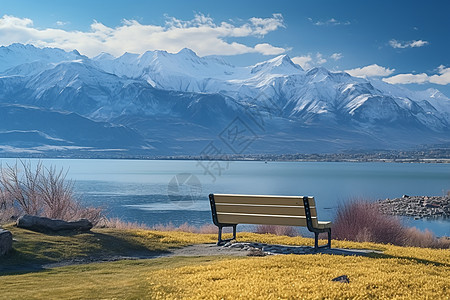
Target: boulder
342 278
42 224
5 241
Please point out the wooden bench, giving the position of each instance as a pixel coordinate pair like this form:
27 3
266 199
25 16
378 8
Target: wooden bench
230 210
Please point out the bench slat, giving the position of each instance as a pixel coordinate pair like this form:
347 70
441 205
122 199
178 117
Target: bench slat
261 219
264 209
261 199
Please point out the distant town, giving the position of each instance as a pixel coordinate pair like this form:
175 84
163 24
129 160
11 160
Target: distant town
426 155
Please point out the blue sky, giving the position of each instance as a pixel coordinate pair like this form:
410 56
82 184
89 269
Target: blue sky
403 42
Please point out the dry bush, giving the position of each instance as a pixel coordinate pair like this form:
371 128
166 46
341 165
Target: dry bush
362 221
208 228
22 189
41 191
164 227
424 239
8 211
120 224
185 227
278 230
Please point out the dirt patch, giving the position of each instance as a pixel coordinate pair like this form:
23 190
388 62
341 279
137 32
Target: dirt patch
193 250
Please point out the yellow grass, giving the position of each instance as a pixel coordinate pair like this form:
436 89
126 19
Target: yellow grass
400 272
304 277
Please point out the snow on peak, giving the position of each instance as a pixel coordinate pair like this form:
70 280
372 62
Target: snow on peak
186 71
281 64
103 56
318 74
16 54
187 51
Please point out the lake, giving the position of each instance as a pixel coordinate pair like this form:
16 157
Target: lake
174 191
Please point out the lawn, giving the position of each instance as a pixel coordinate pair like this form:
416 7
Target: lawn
400 272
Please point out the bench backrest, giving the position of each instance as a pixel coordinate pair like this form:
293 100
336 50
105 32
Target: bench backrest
266 210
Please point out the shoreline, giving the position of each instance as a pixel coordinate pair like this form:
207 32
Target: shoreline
241 159
430 154
419 207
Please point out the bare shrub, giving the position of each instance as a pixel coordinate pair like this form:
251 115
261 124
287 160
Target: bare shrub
425 239
164 227
56 192
278 230
208 228
185 227
120 224
22 189
361 221
8 211
41 191
93 214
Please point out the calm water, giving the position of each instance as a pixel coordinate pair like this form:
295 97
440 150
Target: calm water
161 192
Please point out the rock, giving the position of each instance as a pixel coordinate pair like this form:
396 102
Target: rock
342 278
405 196
255 252
5 241
42 224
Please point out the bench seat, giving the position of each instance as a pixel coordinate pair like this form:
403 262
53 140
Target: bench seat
323 225
229 210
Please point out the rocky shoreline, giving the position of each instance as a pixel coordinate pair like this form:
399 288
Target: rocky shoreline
417 206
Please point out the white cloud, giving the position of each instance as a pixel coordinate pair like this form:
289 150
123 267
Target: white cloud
319 59
303 61
329 22
61 23
442 78
336 56
268 49
264 26
370 71
309 61
410 44
407 78
201 34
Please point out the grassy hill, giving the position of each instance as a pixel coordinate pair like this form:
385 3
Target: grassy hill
400 272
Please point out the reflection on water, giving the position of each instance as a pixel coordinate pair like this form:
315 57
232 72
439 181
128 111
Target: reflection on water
137 190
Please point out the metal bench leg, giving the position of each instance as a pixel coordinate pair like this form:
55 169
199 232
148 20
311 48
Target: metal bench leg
329 238
316 241
219 242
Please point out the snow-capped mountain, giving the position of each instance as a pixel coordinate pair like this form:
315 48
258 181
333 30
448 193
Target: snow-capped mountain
178 103
27 59
317 93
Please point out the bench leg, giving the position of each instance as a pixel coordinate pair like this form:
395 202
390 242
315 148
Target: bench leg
329 238
316 240
220 241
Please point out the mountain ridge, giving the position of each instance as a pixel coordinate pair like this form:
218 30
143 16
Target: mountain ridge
281 106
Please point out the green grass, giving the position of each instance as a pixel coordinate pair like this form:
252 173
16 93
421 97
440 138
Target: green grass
32 249
121 279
